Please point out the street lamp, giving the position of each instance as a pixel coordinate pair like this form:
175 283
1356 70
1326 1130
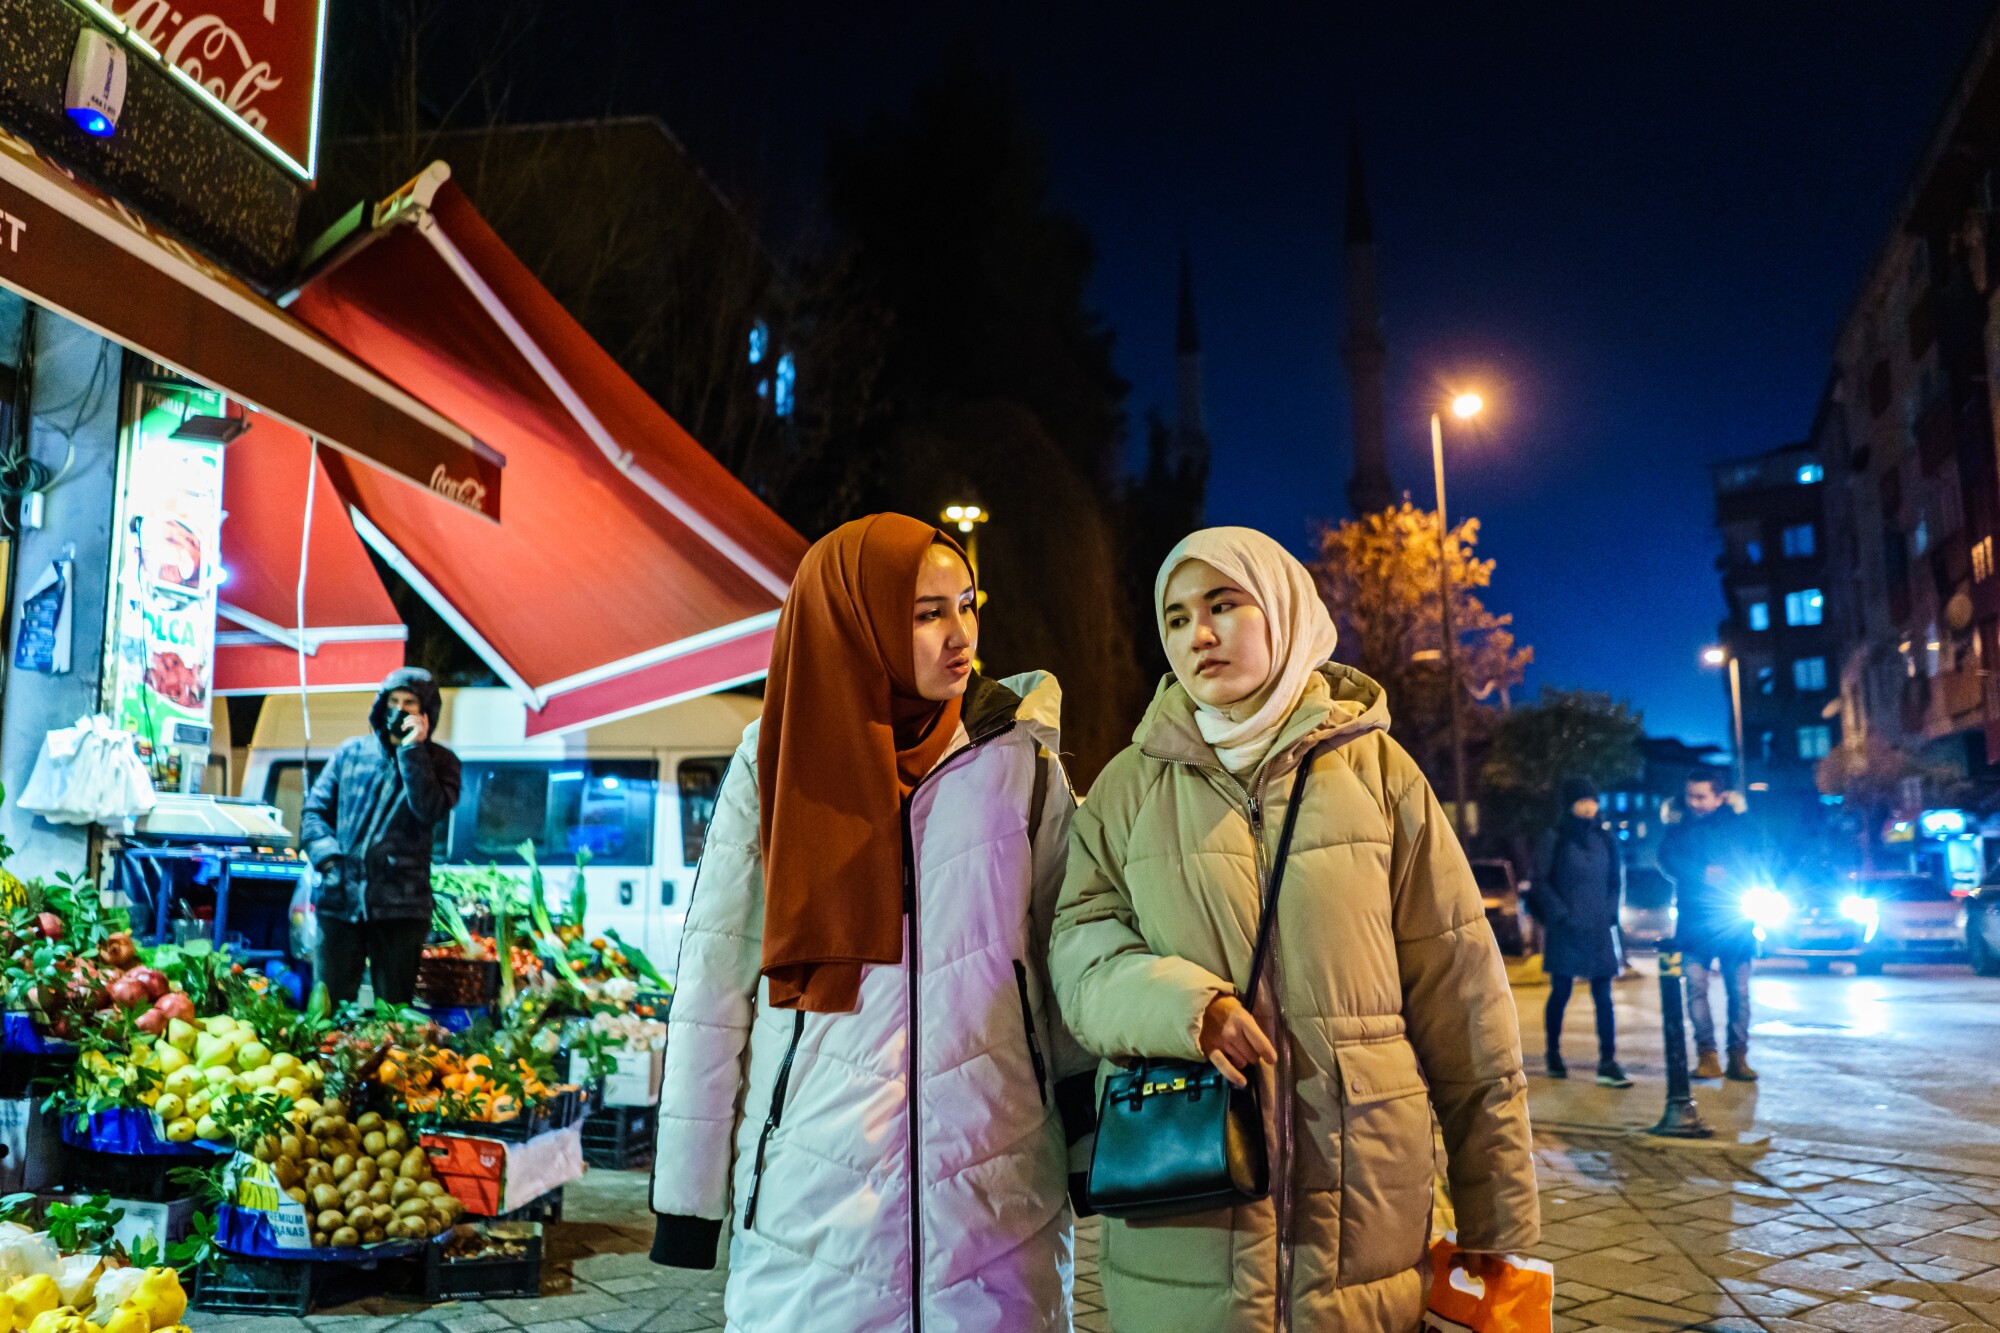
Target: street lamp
1464 406
967 519
1717 656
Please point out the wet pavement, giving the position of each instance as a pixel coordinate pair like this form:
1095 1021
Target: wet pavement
1856 1188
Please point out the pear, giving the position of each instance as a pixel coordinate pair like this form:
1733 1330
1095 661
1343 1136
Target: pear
181 1035
253 1054
285 1063
167 1057
206 1128
183 1082
168 1106
218 1025
128 1319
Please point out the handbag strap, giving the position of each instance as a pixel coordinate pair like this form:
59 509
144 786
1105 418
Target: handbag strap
1268 919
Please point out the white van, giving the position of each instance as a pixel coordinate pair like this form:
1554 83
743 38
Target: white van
637 794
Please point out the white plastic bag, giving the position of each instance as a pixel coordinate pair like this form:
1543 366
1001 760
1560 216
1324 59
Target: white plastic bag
89 774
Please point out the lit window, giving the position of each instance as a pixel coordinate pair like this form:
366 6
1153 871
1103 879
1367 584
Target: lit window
781 399
1753 552
1982 560
1815 742
760 342
1767 679
1809 673
1759 614
1920 540
1811 473
1800 540
1804 607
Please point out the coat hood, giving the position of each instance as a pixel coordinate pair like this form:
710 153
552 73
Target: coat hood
418 682
1339 705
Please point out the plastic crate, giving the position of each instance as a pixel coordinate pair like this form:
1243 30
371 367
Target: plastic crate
482 1279
247 1286
542 1208
457 983
128 1176
619 1138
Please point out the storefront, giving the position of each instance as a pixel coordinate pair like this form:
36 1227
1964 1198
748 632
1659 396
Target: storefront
201 473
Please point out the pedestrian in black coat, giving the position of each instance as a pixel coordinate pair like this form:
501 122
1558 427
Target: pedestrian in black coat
1579 881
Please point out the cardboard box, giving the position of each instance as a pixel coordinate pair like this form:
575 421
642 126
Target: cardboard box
635 1082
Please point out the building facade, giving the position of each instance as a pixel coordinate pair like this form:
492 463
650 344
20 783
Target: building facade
1770 511
1906 432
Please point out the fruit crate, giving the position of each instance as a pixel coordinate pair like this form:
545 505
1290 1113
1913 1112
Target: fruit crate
482 1279
458 983
246 1286
619 1138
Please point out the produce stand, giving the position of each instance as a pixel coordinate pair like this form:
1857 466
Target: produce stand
495 1177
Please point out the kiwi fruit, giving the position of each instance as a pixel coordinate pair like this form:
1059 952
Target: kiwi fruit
330 1219
345 1237
369 1120
429 1189
373 1142
395 1136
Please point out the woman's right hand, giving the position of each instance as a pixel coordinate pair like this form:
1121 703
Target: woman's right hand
1232 1040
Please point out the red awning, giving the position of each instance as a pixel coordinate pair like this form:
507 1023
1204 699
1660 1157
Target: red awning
350 632
80 252
630 568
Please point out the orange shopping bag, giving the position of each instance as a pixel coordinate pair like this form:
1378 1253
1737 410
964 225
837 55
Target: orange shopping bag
1521 1299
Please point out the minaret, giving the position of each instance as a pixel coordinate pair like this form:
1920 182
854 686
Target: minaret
1190 422
1369 488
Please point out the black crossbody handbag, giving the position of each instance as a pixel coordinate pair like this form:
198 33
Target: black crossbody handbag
1173 1136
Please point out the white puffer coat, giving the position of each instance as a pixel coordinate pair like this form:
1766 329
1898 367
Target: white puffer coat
800 1129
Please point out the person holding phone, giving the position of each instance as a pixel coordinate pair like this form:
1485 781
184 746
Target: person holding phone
367 828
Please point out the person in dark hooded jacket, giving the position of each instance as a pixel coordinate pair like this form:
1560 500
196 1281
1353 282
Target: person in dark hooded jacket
367 829
1579 883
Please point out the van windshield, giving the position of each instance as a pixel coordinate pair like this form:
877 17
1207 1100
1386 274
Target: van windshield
602 807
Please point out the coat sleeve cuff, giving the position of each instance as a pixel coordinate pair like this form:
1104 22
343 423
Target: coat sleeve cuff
685 1242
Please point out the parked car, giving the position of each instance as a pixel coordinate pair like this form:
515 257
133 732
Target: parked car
1982 930
1646 916
1500 889
1870 920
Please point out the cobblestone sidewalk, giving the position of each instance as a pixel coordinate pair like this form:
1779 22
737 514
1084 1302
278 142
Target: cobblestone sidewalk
1793 1237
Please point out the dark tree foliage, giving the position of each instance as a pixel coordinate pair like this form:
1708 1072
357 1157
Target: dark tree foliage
1563 734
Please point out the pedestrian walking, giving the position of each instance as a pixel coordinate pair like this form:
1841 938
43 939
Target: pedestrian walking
1710 855
1579 881
1386 999
864 1056
367 827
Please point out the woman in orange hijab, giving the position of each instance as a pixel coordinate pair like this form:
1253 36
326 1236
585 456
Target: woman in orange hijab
864 1058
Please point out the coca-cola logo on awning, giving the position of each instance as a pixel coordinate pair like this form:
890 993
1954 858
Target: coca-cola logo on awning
256 61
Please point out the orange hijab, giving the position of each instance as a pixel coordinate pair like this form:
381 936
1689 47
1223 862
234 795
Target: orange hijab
845 738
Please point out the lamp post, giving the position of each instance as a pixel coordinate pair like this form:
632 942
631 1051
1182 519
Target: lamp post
967 519
1464 406
1719 656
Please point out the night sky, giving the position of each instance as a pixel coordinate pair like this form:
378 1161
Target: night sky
1637 231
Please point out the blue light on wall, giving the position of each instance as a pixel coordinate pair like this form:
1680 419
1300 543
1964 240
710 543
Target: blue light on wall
781 402
94 123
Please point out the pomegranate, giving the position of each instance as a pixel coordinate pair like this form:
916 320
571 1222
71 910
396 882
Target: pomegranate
175 1004
128 992
118 951
50 925
152 1021
154 981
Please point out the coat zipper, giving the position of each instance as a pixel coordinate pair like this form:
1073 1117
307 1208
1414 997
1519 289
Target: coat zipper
777 1113
1028 1025
1273 982
915 1044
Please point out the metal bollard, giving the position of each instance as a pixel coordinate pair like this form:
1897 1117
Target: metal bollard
1681 1120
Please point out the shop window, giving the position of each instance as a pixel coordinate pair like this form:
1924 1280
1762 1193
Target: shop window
700 784
1759 615
1800 540
1809 673
1804 607
1815 741
603 807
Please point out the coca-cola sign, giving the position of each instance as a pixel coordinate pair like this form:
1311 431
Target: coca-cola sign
254 62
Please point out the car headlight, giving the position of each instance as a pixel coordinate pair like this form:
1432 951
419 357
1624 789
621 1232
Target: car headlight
1766 907
1864 912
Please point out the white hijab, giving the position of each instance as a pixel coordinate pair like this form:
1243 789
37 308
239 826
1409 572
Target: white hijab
1302 637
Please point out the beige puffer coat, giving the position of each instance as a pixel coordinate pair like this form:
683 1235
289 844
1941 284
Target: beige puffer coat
1390 986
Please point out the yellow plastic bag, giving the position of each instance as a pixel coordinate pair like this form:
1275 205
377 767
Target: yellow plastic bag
1520 1298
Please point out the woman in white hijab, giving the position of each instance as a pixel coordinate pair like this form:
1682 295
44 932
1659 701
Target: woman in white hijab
1386 999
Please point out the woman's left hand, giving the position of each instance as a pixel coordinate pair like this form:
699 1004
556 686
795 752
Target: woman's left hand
1481 1264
